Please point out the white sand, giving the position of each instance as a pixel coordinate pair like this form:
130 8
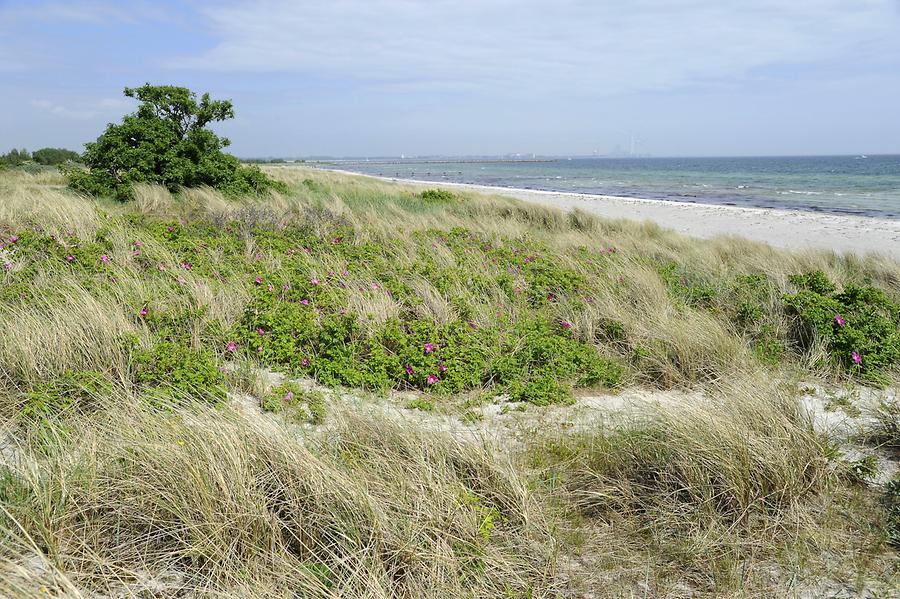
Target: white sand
791 229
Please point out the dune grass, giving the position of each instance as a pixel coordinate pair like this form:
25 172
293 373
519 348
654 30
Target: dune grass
127 331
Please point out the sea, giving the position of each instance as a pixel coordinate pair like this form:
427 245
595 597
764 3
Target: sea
858 185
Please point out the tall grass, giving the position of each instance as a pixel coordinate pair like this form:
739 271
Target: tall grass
119 489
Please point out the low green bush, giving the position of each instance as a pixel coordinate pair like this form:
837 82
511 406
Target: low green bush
301 404
860 325
174 370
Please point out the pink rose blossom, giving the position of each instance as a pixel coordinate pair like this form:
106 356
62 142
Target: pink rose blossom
857 359
429 347
258 280
432 379
839 320
70 258
443 367
104 258
231 347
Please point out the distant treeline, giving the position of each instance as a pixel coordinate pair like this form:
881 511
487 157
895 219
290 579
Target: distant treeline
44 156
268 160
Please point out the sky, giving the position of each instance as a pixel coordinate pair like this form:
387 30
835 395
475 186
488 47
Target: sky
468 77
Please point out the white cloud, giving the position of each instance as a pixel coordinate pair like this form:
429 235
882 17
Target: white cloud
565 47
86 111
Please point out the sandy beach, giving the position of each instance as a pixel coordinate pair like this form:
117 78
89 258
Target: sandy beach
791 229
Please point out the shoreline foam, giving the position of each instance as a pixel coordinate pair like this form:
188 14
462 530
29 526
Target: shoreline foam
789 229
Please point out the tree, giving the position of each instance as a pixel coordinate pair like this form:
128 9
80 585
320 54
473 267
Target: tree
166 141
53 156
15 157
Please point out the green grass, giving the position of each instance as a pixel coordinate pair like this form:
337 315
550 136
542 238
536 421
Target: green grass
128 330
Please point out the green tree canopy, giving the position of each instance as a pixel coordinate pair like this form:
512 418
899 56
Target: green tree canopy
166 141
15 157
53 156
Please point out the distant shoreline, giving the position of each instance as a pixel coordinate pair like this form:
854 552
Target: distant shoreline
785 228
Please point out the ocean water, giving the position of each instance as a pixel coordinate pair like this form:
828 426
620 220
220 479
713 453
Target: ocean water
860 185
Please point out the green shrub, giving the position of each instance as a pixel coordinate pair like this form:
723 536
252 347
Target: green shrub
73 389
165 141
302 405
860 325
175 369
437 196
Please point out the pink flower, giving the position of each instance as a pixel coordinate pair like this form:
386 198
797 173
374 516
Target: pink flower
518 290
13 238
135 252
432 379
231 347
443 367
839 320
286 286
260 331
288 396
270 287
409 370
104 258
258 280
259 349
187 265
305 302
8 266
161 267
314 281
136 243
429 347
70 258
143 311
170 228
346 273
375 286
304 362
857 359
566 324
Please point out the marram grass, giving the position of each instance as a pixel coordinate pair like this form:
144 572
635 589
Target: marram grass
129 332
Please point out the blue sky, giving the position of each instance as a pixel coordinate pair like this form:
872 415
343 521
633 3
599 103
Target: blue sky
385 77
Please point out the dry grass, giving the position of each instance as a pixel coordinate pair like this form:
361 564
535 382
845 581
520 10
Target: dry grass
735 494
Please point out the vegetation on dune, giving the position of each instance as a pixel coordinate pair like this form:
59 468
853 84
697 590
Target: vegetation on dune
166 141
127 330
44 157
